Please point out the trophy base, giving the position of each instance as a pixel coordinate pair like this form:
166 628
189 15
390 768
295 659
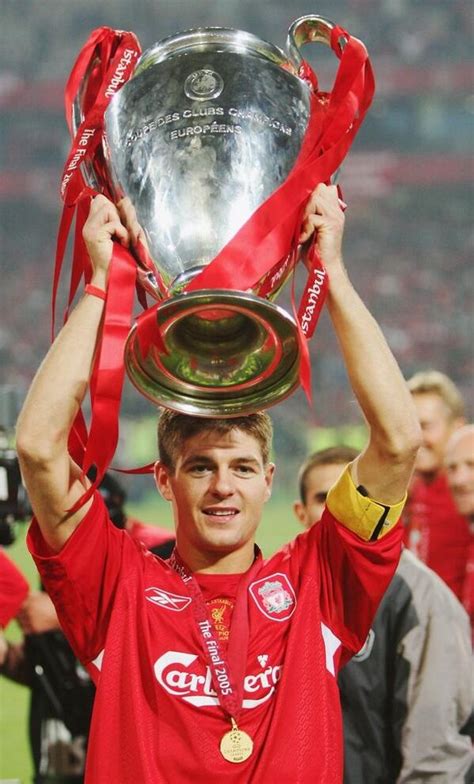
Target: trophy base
227 353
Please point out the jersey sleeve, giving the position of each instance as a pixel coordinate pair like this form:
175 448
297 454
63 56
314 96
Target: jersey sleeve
13 589
354 569
82 578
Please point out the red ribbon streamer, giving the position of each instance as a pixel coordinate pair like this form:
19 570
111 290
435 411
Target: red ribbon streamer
267 236
107 381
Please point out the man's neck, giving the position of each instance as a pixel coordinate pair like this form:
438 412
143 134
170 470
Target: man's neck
205 562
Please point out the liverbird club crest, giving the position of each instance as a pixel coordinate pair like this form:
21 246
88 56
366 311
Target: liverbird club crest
274 596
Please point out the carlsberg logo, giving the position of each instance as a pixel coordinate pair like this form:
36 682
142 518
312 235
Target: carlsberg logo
183 676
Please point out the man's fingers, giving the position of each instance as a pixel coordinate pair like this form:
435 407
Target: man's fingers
116 229
311 223
104 226
323 198
128 217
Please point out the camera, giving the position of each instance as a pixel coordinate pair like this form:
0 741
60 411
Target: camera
14 504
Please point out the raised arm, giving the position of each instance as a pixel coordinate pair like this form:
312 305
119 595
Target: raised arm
54 482
384 467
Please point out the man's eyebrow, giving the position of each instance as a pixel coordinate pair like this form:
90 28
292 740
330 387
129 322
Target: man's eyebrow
246 459
197 459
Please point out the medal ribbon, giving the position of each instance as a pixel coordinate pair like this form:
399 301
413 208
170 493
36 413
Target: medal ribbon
228 671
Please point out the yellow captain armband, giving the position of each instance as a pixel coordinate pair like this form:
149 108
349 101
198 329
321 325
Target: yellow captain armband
352 507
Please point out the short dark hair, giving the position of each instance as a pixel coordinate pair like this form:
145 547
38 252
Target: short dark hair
333 455
175 428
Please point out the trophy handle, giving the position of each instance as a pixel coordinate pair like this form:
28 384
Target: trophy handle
309 29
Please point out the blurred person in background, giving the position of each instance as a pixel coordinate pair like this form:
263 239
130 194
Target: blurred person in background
435 530
408 692
459 464
62 693
14 589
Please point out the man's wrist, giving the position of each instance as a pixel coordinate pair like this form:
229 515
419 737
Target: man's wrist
95 291
99 279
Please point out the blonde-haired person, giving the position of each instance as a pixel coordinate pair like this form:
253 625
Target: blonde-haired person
435 530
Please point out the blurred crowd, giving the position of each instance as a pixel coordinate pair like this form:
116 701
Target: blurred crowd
42 38
407 180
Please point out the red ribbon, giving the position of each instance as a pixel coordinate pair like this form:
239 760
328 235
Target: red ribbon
267 236
105 54
105 63
108 376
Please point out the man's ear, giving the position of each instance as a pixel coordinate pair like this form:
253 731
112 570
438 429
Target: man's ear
162 477
300 513
269 474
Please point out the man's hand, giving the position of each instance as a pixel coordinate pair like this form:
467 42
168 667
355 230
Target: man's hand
102 226
37 614
323 213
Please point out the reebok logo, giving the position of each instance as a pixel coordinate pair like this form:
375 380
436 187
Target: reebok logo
167 600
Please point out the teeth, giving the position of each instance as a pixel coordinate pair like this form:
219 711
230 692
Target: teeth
220 513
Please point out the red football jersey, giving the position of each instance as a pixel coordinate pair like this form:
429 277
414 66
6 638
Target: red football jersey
150 535
13 589
156 716
436 533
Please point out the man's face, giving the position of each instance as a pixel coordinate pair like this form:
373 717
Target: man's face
218 487
437 425
460 470
319 481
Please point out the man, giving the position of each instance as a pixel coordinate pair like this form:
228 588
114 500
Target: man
459 463
217 666
407 693
436 532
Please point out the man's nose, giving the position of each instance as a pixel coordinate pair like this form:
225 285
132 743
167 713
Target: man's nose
222 484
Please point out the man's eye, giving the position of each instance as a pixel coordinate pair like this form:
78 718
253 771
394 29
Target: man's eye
199 468
245 469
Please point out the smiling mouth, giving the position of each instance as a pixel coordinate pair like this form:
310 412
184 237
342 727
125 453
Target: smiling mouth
221 514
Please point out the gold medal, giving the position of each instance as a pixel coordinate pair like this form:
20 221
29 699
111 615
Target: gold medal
236 745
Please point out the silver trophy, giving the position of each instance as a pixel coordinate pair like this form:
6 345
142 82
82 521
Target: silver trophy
210 124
